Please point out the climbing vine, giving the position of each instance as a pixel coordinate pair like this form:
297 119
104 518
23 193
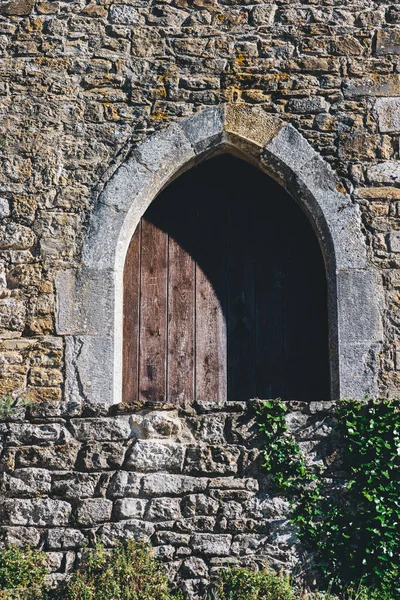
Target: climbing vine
352 525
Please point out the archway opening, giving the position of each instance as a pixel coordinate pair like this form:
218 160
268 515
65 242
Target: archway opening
225 293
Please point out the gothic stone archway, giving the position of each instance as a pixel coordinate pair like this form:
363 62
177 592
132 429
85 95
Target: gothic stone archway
89 302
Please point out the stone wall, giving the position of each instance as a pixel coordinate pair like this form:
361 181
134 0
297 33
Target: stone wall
82 84
191 481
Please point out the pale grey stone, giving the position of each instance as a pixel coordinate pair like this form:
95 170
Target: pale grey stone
44 512
124 484
107 429
172 537
313 104
124 14
32 434
20 536
157 424
205 130
130 529
385 172
54 560
194 567
4 208
384 85
263 14
209 428
64 538
93 511
164 552
130 508
172 484
89 379
199 504
28 482
212 460
147 457
211 544
291 148
168 147
76 485
388 113
360 307
164 509
394 241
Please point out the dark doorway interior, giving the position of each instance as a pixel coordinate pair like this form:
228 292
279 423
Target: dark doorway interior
225 293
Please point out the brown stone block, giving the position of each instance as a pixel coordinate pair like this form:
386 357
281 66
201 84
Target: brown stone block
388 41
17 8
379 193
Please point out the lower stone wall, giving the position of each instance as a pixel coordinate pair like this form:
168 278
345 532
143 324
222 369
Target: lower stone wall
189 480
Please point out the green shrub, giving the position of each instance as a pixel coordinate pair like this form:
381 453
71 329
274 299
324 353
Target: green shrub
127 572
22 574
244 584
354 532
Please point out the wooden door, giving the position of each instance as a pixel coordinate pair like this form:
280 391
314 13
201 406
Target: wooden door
224 293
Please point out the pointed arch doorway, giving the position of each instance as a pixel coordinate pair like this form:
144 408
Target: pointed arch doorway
225 293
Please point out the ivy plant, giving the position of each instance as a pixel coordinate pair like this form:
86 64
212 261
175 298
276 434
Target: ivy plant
352 526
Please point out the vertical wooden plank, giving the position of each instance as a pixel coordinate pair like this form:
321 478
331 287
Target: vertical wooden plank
153 314
211 287
241 300
181 283
130 352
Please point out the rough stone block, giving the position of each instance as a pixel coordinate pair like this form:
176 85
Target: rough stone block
388 41
95 456
44 512
385 172
26 434
93 511
255 125
313 104
107 429
130 529
58 457
148 457
28 482
12 314
205 134
124 484
388 113
20 536
64 538
75 485
17 8
194 567
263 14
199 504
209 428
123 14
157 424
130 508
172 484
164 509
380 85
213 460
394 241
211 544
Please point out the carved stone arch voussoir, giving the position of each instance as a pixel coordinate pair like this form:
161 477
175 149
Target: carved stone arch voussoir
89 301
